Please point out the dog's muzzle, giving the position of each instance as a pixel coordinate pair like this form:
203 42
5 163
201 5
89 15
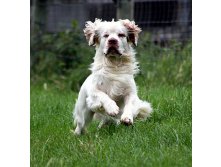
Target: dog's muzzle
113 48
113 51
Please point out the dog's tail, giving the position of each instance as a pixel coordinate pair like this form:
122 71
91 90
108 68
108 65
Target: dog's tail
144 110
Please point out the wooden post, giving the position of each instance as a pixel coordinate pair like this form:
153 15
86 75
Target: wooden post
38 15
125 9
33 10
183 17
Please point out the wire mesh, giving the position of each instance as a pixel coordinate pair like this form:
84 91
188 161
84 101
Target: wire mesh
164 19
58 54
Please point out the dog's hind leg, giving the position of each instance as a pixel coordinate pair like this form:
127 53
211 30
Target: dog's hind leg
82 117
82 114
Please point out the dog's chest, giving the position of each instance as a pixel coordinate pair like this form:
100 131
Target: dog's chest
114 87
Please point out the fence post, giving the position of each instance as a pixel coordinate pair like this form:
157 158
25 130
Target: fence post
183 17
125 9
38 15
33 10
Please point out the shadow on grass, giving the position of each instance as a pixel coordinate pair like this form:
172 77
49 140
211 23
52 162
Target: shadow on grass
107 130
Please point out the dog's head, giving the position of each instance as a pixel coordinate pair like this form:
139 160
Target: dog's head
113 38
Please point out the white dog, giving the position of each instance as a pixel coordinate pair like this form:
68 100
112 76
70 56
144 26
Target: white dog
111 90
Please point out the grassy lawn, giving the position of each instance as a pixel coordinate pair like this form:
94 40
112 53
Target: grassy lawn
163 140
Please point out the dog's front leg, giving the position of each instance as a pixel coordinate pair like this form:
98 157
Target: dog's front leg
98 99
128 111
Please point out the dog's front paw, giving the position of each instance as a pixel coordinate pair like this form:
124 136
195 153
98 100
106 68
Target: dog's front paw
112 109
126 120
94 105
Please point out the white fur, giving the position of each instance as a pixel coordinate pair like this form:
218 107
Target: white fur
110 90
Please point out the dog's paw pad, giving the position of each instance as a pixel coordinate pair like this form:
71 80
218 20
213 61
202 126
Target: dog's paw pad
127 121
113 114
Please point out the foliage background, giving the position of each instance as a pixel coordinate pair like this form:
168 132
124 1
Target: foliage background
62 59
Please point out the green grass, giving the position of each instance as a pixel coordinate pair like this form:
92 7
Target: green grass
162 140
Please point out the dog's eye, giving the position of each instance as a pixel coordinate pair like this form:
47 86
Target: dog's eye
106 35
121 35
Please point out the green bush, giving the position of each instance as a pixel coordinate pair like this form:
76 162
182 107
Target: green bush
165 65
62 60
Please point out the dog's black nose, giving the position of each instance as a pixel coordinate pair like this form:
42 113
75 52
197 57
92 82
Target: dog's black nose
112 41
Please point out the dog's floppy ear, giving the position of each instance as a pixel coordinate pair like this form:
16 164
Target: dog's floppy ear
133 30
90 32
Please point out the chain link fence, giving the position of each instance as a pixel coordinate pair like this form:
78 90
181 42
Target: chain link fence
164 19
59 52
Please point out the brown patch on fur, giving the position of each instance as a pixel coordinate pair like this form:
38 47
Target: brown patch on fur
90 32
133 30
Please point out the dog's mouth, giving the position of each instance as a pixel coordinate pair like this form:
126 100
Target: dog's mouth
113 51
